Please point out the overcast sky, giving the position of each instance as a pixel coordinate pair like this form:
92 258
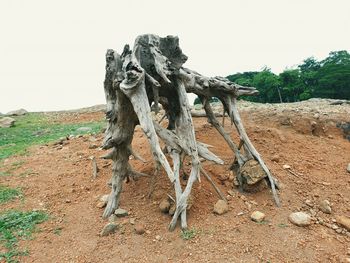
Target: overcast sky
52 52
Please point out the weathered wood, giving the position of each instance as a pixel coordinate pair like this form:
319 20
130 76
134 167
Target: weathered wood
151 73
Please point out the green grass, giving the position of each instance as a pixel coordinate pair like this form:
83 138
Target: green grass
8 194
188 233
15 225
37 128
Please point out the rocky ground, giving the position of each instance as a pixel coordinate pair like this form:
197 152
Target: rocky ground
304 144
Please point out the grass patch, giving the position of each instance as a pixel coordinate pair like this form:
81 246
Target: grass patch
8 194
15 225
188 233
37 128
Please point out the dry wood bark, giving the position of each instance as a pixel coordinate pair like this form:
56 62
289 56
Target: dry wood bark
152 73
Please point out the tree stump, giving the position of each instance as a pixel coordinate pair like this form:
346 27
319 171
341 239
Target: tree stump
152 73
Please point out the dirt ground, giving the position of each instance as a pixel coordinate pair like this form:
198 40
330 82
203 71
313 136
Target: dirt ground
59 180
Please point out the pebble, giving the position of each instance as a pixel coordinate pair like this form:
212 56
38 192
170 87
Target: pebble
309 203
101 204
231 192
286 166
139 229
112 218
325 207
108 229
132 221
300 219
344 222
121 212
348 168
257 216
158 237
104 198
275 158
164 205
220 207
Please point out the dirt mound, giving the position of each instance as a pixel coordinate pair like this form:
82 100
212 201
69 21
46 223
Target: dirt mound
59 180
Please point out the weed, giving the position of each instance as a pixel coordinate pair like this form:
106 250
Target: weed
188 233
16 225
7 194
282 225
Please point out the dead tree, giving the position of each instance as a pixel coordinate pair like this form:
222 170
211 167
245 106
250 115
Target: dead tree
152 73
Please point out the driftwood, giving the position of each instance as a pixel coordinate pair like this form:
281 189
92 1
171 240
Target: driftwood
152 73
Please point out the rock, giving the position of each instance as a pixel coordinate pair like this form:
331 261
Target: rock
300 219
231 192
257 216
348 168
275 158
286 166
344 222
164 205
132 221
223 177
220 207
84 129
121 212
17 112
309 203
325 207
101 204
108 229
7 122
139 229
104 198
112 218
158 237
93 146
252 172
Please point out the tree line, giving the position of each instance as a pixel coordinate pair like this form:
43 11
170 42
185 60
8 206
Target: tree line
328 78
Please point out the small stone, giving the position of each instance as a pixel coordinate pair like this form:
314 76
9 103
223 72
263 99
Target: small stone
104 198
275 158
309 203
325 207
132 221
300 219
231 177
231 192
158 237
339 230
84 129
112 218
164 205
108 229
220 207
121 212
7 122
139 229
68 201
334 227
344 222
101 204
148 232
257 216
224 177
286 166
348 168
93 146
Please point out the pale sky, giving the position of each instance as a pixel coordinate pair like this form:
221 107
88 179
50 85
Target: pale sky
52 53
